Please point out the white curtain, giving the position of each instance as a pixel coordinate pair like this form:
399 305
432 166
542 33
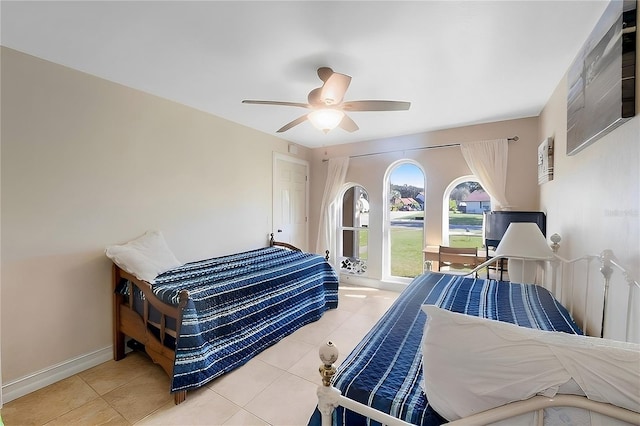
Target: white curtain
488 162
336 173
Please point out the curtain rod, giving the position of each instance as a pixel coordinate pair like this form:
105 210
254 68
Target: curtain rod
448 145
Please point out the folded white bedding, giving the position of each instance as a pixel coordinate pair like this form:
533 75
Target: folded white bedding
473 364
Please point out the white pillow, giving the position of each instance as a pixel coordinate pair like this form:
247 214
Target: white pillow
472 364
145 257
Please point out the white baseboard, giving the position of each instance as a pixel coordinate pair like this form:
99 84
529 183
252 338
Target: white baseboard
372 282
38 380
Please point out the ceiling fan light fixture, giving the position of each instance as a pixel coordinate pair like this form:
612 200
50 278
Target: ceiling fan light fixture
327 105
326 119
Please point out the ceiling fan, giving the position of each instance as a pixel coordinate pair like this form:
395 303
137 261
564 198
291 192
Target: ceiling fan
328 107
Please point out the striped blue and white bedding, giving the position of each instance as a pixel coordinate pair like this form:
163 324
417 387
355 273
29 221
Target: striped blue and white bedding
241 304
385 370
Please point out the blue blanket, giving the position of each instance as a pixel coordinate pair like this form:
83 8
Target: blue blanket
385 369
241 304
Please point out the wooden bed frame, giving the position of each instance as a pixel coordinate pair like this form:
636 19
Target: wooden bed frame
329 397
273 242
128 322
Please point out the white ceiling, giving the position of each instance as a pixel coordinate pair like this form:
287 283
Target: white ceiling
457 62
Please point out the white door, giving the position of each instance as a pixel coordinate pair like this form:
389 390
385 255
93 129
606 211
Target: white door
290 204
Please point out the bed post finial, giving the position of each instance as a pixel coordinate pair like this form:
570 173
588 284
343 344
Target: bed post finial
555 240
183 298
605 259
606 270
555 245
328 396
271 240
326 255
328 355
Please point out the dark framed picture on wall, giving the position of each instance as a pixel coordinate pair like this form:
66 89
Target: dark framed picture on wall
602 79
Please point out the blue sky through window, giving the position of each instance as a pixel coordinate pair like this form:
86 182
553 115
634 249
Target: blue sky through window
408 174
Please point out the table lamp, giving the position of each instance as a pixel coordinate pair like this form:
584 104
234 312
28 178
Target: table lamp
523 240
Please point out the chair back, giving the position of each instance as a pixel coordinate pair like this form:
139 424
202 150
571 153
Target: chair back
501 265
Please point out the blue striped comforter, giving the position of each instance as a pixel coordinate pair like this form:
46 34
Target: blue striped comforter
385 369
241 304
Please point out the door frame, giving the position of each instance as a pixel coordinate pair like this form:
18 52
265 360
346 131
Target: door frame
279 156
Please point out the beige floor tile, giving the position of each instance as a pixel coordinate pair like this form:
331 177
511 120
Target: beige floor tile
345 338
141 397
360 323
286 353
332 318
315 333
96 412
300 397
112 374
347 289
339 316
354 300
376 307
243 384
371 310
262 392
202 407
307 367
44 405
245 418
350 305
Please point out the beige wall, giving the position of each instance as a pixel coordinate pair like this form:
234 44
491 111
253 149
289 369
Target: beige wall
87 163
594 199
441 166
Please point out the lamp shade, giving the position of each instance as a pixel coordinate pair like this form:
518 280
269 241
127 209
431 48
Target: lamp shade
326 119
524 239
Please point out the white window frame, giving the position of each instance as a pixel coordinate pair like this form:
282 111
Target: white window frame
339 238
445 205
386 220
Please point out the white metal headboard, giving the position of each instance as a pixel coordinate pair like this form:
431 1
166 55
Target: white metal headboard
562 277
562 271
565 273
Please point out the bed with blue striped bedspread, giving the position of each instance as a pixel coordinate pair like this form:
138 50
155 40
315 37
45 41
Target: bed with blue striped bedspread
385 370
241 304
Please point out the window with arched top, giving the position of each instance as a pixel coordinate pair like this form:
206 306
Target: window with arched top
353 238
464 204
403 232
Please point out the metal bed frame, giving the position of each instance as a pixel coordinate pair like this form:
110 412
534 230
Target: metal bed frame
560 275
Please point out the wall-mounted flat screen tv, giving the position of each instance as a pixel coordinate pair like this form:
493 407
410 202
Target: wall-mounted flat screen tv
602 79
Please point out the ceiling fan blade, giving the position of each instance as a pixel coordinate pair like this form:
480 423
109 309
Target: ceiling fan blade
376 105
281 103
324 73
291 124
334 88
348 124
314 97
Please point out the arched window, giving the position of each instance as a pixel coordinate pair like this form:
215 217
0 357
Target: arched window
464 204
353 237
403 226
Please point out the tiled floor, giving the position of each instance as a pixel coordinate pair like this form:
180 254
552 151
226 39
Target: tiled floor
278 387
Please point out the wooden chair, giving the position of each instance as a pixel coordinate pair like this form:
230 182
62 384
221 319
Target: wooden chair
457 258
500 265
